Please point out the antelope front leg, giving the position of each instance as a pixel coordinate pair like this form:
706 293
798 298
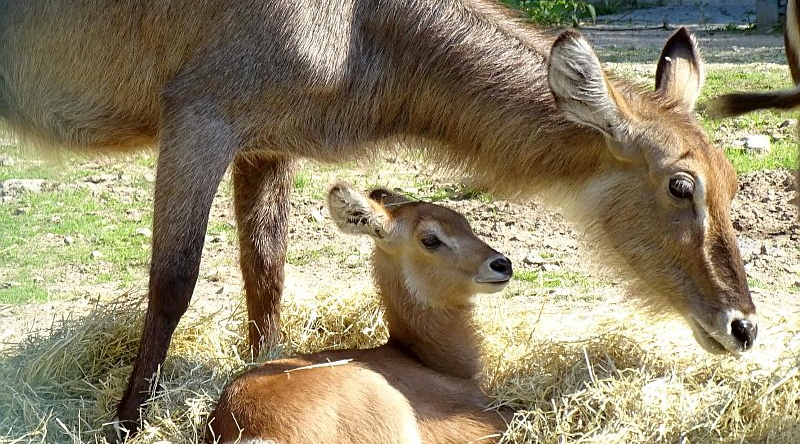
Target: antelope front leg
261 189
194 154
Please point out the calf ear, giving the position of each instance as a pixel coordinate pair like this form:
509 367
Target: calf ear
680 72
356 214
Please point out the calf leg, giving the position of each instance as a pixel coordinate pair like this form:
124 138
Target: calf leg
261 187
195 151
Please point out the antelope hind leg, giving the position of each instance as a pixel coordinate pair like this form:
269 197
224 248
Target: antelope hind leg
262 186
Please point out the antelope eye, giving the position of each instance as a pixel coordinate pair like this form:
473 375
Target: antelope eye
681 187
430 241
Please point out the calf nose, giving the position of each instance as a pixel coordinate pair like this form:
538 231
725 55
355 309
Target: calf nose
745 332
502 265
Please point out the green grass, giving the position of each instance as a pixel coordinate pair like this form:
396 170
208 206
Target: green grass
553 279
36 261
307 256
752 78
35 256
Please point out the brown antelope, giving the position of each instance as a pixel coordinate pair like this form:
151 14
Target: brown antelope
258 84
422 385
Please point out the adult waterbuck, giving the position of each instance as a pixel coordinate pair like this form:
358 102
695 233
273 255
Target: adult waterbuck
422 385
258 84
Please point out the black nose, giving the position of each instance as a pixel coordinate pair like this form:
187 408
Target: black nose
502 265
745 332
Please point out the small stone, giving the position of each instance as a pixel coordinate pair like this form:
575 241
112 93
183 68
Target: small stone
353 261
550 266
794 269
6 160
69 240
214 277
519 236
96 254
316 216
787 122
533 259
757 143
144 232
23 185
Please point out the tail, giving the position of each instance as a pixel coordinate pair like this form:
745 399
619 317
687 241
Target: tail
737 103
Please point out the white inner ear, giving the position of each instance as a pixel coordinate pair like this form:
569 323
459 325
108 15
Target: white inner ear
580 87
353 213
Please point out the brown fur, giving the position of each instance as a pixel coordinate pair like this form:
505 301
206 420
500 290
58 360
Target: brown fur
419 387
261 83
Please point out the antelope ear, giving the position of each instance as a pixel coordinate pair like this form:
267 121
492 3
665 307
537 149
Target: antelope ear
582 92
680 72
356 214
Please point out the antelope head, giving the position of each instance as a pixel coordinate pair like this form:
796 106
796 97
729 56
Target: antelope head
439 258
662 193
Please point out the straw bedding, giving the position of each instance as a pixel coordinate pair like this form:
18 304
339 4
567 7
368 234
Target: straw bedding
607 376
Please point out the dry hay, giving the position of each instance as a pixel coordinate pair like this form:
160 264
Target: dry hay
602 377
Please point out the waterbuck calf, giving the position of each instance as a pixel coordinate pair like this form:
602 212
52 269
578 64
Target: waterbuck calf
258 84
421 386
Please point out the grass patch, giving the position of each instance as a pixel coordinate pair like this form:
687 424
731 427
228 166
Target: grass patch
553 279
44 235
722 80
77 231
307 256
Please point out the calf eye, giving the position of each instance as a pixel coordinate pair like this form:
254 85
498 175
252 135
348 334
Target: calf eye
681 187
430 241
